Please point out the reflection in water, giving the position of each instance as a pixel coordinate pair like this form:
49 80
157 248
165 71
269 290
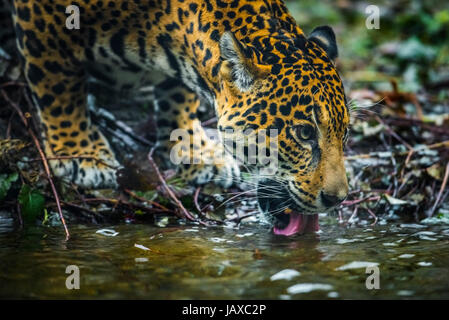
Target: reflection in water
142 261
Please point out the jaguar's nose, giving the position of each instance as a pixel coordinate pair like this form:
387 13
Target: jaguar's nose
330 200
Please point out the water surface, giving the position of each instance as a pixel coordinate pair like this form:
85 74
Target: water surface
192 262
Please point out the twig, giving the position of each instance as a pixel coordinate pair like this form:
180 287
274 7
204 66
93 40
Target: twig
443 185
372 215
201 211
340 217
195 200
396 96
393 134
92 214
353 215
185 214
408 122
116 203
132 194
442 144
239 219
44 160
20 215
348 203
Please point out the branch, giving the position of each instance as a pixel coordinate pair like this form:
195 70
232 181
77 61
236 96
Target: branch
43 158
185 213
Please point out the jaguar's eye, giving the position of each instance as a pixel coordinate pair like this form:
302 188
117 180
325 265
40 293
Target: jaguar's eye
305 132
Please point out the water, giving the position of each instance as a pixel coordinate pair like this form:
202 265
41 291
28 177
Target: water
218 263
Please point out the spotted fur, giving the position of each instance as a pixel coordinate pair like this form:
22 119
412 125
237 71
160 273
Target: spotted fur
246 58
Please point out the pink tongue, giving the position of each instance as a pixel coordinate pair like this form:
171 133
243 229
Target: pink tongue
299 223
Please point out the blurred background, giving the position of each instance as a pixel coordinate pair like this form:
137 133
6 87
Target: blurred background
411 45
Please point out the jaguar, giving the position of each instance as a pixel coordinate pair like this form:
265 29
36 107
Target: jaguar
246 59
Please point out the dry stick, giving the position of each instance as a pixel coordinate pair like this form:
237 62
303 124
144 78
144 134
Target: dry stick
372 215
340 217
20 215
92 214
9 128
44 161
239 219
201 211
167 188
393 134
354 214
132 194
367 191
407 160
442 144
116 203
407 122
195 200
443 185
348 203
418 107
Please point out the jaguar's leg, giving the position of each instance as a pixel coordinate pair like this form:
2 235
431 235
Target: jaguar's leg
58 87
203 159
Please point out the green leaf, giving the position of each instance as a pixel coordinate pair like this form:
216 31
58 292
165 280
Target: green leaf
31 202
45 220
5 183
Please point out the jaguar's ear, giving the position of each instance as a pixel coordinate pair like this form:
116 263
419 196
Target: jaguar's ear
237 65
324 36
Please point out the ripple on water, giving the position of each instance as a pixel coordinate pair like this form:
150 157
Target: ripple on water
344 241
286 274
308 287
139 246
107 232
357 265
390 244
405 293
412 225
141 259
217 240
248 234
203 264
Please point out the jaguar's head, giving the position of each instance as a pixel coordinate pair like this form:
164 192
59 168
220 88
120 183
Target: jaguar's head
291 85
